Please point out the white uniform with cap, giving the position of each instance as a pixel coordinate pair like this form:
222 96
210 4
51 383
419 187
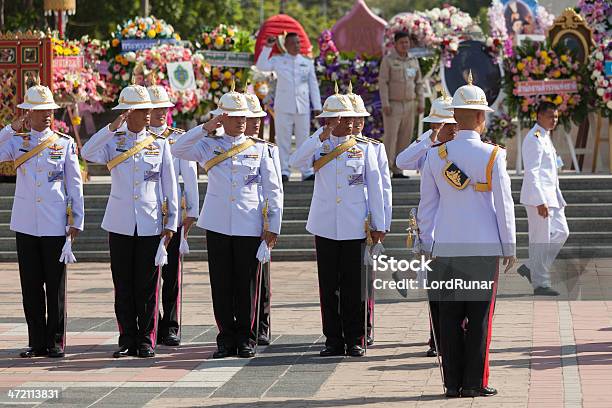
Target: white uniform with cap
297 91
242 181
143 202
48 188
541 186
466 197
347 197
413 157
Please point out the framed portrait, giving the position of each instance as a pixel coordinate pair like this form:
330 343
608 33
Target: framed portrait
29 55
28 78
8 55
473 56
520 16
571 32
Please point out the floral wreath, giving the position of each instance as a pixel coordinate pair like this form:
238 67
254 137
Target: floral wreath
537 61
602 86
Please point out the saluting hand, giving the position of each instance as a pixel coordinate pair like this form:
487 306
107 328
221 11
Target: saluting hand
116 124
435 129
329 128
19 123
214 123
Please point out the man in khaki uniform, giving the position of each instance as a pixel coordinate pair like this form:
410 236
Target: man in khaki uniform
401 94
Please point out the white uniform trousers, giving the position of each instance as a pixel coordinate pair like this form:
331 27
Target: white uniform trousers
546 238
285 124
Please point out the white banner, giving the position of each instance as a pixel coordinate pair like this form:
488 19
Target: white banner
181 75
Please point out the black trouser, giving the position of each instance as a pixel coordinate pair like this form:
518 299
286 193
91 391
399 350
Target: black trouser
171 287
434 323
136 280
341 291
465 356
43 276
371 300
233 270
264 303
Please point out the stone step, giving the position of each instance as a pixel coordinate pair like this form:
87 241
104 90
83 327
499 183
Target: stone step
568 251
306 241
601 211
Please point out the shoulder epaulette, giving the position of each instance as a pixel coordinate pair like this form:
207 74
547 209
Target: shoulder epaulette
21 134
156 135
537 133
176 130
261 140
375 141
361 139
494 144
438 144
120 133
63 134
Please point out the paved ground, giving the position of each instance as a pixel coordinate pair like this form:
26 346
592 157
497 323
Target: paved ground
544 353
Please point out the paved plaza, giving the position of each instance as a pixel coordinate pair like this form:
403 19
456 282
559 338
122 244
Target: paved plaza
543 353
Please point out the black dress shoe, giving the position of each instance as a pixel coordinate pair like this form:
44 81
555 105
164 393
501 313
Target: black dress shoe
285 178
332 351
452 393
29 353
171 340
223 351
146 352
525 272
545 291
125 352
246 351
355 351
432 352
400 175
263 340
56 352
370 340
478 392
309 178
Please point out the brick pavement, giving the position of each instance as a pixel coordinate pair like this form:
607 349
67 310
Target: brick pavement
543 353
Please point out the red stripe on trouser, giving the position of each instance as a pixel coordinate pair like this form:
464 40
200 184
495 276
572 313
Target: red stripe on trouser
255 304
65 307
153 333
485 372
180 290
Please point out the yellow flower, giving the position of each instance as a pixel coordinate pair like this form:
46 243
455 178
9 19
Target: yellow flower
151 33
564 58
227 75
239 74
216 71
76 120
158 28
544 54
219 41
520 66
556 73
177 37
214 85
141 26
558 100
115 42
529 58
118 58
207 40
230 32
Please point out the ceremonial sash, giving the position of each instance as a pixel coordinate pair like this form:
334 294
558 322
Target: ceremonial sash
341 148
228 154
131 152
27 156
482 187
458 179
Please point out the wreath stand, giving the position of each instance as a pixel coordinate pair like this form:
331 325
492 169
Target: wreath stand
599 139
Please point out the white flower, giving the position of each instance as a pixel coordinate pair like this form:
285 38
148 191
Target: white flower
434 14
609 104
600 91
161 75
130 56
131 32
489 42
599 55
444 13
149 20
125 76
453 46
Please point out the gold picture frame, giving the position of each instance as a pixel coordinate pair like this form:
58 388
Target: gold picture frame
571 30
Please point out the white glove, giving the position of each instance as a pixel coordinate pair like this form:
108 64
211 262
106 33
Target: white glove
372 251
184 246
161 258
67 256
263 253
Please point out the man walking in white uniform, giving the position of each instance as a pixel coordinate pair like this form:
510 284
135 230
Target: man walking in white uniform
543 201
297 91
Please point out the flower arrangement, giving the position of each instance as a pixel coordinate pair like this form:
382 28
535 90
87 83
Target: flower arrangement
65 48
60 126
534 61
450 26
417 26
598 14
230 39
94 50
499 43
143 28
362 71
500 127
544 20
601 85
84 86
